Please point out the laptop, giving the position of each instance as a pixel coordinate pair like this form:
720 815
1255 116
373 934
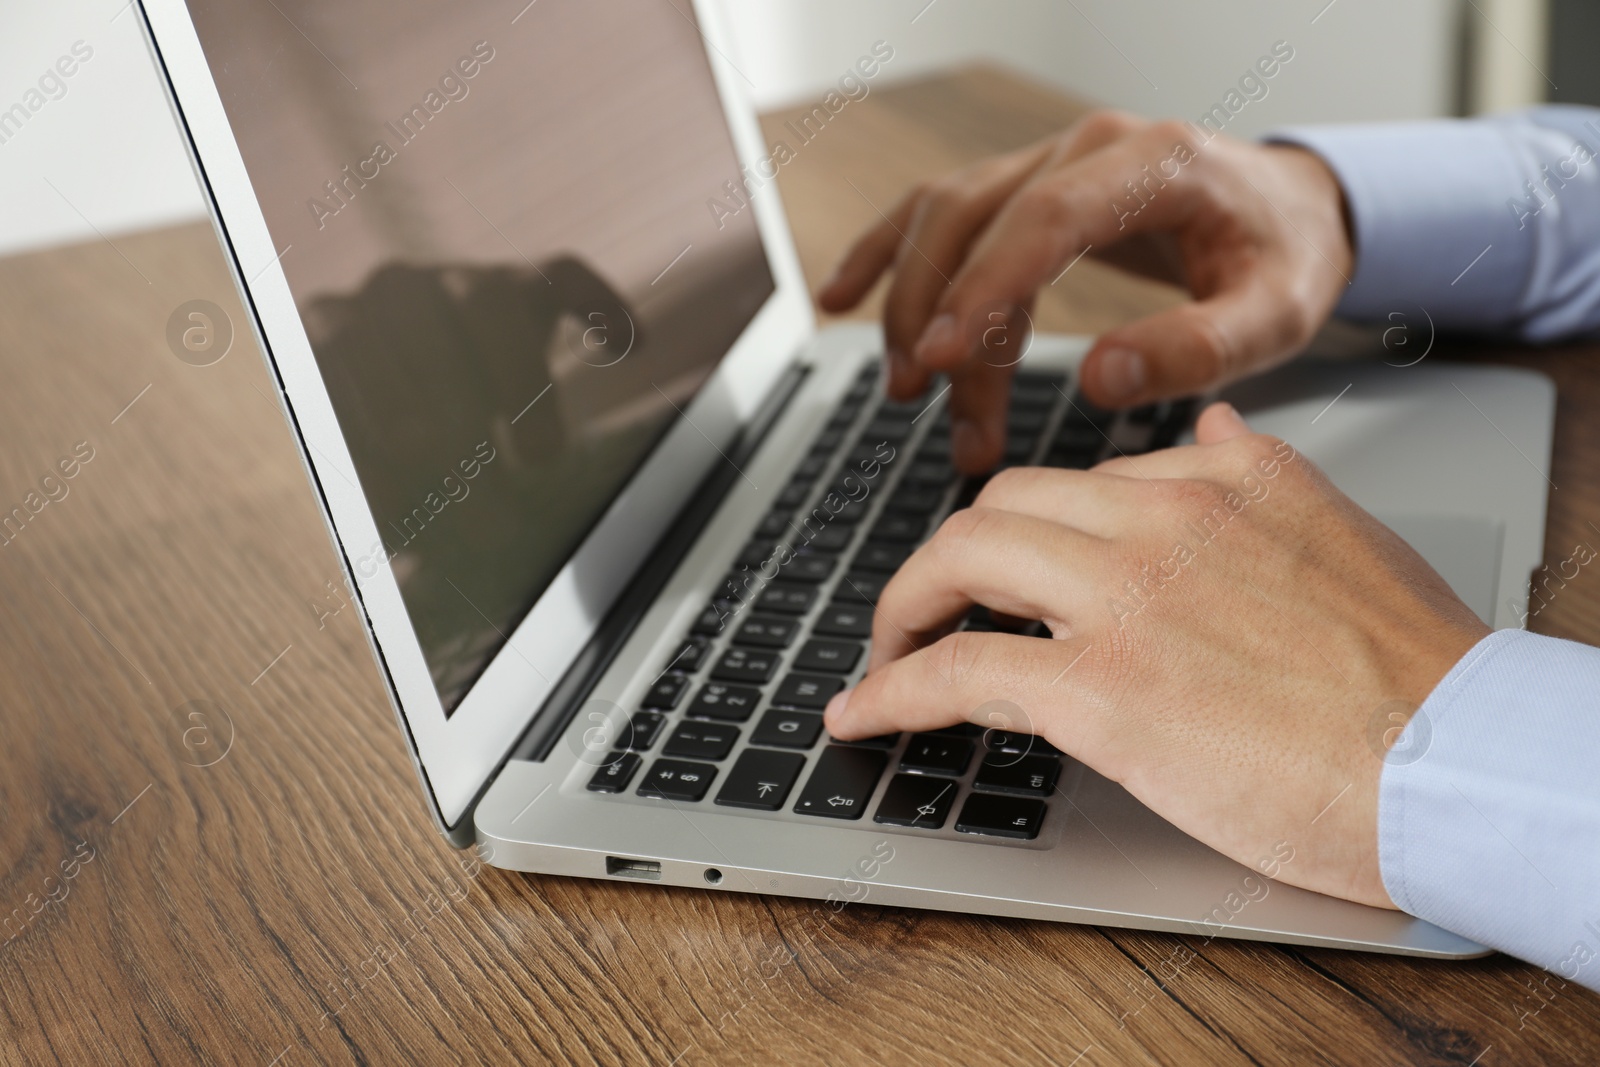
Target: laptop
615 512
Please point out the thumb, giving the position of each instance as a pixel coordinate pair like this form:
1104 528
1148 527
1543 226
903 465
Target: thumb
1219 422
1192 347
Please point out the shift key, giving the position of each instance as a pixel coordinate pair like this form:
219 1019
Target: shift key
842 782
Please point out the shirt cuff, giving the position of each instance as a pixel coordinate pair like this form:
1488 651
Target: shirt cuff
1489 803
1427 203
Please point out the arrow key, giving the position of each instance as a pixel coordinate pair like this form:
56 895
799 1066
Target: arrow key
761 779
842 782
916 800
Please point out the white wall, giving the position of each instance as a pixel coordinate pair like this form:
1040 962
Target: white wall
109 146
1360 59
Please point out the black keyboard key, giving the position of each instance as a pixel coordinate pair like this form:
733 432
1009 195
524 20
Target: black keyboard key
710 622
935 447
828 657
788 729
1016 742
842 782
666 692
767 631
795 493
884 741
671 779
920 802
755 554
916 500
844 620
1144 415
806 691
739 585
937 754
1018 775
960 729
641 730
614 775
934 473
761 779
860 587
812 467
827 539
786 599
730 703
1014 817
881 557
1026 421
746 665
1018 448
1079 437
808 569
701 740
691 655
827 441
887 428
775 524
1173 422
900 528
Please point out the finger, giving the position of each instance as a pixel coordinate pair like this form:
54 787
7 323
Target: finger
948 217
1192 347
1016 564
1219 422
1054 218
980 392
1099 503
868 258
950 682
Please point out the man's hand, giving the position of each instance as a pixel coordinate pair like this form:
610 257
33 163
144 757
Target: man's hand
1226 626
1257 235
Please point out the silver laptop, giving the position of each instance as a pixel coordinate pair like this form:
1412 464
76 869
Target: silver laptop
526 289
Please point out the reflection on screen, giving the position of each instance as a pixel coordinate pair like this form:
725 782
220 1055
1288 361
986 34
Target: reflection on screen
495 226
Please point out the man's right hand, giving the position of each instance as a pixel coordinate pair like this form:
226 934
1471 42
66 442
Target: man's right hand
1257 234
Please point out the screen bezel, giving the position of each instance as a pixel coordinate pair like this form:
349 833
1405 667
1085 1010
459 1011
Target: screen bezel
456 754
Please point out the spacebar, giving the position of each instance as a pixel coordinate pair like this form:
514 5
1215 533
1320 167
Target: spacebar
842 782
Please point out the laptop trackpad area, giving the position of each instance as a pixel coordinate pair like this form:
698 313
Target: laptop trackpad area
1465 550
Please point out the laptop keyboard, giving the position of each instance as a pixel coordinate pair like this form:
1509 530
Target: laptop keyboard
735 717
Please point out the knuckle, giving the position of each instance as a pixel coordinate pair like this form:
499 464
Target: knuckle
960 530
1105 124
959 656
1213 356
1172 133
1009 484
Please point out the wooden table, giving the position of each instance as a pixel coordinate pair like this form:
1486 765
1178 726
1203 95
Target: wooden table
212 828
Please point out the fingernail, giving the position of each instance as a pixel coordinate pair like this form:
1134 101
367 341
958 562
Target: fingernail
940 334
1122 373
966 442
837 704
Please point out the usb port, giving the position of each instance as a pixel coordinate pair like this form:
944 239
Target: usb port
626 868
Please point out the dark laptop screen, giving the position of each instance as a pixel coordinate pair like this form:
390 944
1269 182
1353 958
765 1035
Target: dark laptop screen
510 238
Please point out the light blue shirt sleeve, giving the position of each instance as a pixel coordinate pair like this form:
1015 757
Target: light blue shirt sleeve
1489 804
1491 225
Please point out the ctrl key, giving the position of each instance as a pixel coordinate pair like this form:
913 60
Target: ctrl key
671 779
1014 817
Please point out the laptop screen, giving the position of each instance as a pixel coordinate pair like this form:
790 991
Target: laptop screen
513 245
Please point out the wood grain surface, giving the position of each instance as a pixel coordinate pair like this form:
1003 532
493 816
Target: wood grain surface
216 851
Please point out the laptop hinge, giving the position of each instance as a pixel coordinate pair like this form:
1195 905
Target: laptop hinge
569 694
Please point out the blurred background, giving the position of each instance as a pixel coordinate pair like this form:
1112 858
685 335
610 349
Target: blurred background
102 154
